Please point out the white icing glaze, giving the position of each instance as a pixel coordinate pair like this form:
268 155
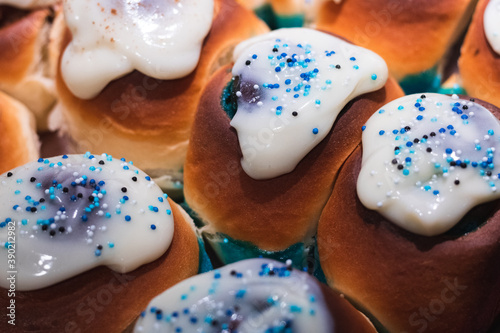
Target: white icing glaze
161 39
422 186
492 24
273 140
130 219
243 296
28 4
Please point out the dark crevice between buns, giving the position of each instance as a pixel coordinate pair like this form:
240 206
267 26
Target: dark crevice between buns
10 15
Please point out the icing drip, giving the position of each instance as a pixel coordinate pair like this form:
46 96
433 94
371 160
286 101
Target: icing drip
492 24
255 295
73 213
161 39
427 160
292 85
28 4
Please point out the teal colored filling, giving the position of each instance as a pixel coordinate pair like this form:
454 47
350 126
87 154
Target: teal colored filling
291 21
428 81
274 21
456 89
229 101
205 264
266 14
230 250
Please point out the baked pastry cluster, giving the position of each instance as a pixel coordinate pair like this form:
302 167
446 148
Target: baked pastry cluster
327 199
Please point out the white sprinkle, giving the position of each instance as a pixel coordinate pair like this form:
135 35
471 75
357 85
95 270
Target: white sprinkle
256 86
238 94
379 204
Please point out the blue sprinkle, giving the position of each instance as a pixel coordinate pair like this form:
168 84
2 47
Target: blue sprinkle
278 69
127 218
374 76
381 132
153 227
97 253
315 131
448 151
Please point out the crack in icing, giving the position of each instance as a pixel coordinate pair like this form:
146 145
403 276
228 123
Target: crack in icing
256 295
293 84
427 160
492 24
73 213
161 39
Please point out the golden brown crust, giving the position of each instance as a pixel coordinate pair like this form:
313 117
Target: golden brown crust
410 282
344 315
479 64
101 300
276 213
19 143
412 36
155 112
18 41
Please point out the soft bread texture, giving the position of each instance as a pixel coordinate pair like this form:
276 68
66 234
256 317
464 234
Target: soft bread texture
276 213
479 64
19 144
148 120
25 59
102 300
411 36
408 282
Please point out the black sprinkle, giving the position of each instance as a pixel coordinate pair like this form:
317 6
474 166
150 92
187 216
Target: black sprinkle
453 163
425 137
101 162
394 161
407 128
233 272
124 189
248 62
134 179
32 179
457 182
400 167
9 174
42 200
33 209
271 273
65 190
337 66
44 227
295 113
472 100
275 50
289 60
79 195
488 173
396 148
215 323
99 247
433 134
91 198
416 140
423 96
62 229
465 107
429 149
52 232
463 165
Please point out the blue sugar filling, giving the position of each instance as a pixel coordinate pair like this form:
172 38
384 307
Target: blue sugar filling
230 250
427 81
205 264
289 21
